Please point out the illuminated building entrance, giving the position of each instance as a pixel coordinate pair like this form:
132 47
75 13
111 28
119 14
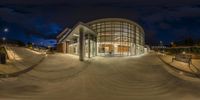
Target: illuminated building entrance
103 37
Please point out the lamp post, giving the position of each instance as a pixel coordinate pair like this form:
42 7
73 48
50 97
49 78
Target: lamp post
6 30
41 44
33 45
172 43
4 38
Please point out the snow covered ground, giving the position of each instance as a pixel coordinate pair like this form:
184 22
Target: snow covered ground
19 59
64 77
24 57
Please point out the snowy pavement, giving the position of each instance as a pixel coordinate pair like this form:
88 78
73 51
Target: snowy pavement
63 77
8 68
193 68
20 59
24 58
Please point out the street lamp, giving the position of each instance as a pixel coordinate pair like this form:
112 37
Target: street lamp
6 30
33 45
4 39
41 44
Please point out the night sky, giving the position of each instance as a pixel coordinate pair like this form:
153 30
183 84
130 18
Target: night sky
42 20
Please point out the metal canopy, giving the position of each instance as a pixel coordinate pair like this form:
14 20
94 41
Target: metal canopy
75 31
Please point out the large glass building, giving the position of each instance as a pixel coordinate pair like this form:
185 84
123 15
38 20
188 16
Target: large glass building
103 37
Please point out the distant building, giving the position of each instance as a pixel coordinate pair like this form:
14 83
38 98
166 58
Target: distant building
102 37
158 47
147 49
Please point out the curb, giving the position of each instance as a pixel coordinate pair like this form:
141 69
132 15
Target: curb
177 70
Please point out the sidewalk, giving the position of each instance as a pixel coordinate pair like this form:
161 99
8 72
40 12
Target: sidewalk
194 68
8 68
21 59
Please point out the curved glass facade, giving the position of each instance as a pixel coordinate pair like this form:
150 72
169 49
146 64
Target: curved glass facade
118 37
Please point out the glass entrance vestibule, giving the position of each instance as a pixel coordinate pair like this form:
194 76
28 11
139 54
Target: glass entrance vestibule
90 45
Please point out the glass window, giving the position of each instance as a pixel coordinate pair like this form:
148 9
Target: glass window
117 33
117 25
121 35
117 29
125 30
108 25
98 27
108 29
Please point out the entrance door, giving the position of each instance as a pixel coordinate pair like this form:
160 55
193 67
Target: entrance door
106 49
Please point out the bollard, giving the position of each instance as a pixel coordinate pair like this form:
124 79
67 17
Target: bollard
2 58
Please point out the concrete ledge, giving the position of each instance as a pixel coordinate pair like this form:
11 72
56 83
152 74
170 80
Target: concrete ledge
182 74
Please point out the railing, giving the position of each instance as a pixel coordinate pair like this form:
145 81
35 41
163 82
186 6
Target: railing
183 58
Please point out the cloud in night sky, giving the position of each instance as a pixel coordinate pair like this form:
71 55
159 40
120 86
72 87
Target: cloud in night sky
166 20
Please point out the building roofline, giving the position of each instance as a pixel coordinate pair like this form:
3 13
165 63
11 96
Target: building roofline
67 31
63 32
116 19
79 23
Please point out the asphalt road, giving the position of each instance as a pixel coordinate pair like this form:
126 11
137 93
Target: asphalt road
63 77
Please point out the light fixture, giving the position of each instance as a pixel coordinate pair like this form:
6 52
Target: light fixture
3 38
6 30
75 35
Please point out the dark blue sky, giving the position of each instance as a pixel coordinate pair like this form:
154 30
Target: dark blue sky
42 20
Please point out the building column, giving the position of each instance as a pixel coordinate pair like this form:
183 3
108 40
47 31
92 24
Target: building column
96 46
93 46
130 49
135 49
115 49
67 47
81 44
89 46
77 47
135 40
64 47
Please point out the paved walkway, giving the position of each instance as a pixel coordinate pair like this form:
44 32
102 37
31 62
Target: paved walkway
193 68
20 59
8 68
